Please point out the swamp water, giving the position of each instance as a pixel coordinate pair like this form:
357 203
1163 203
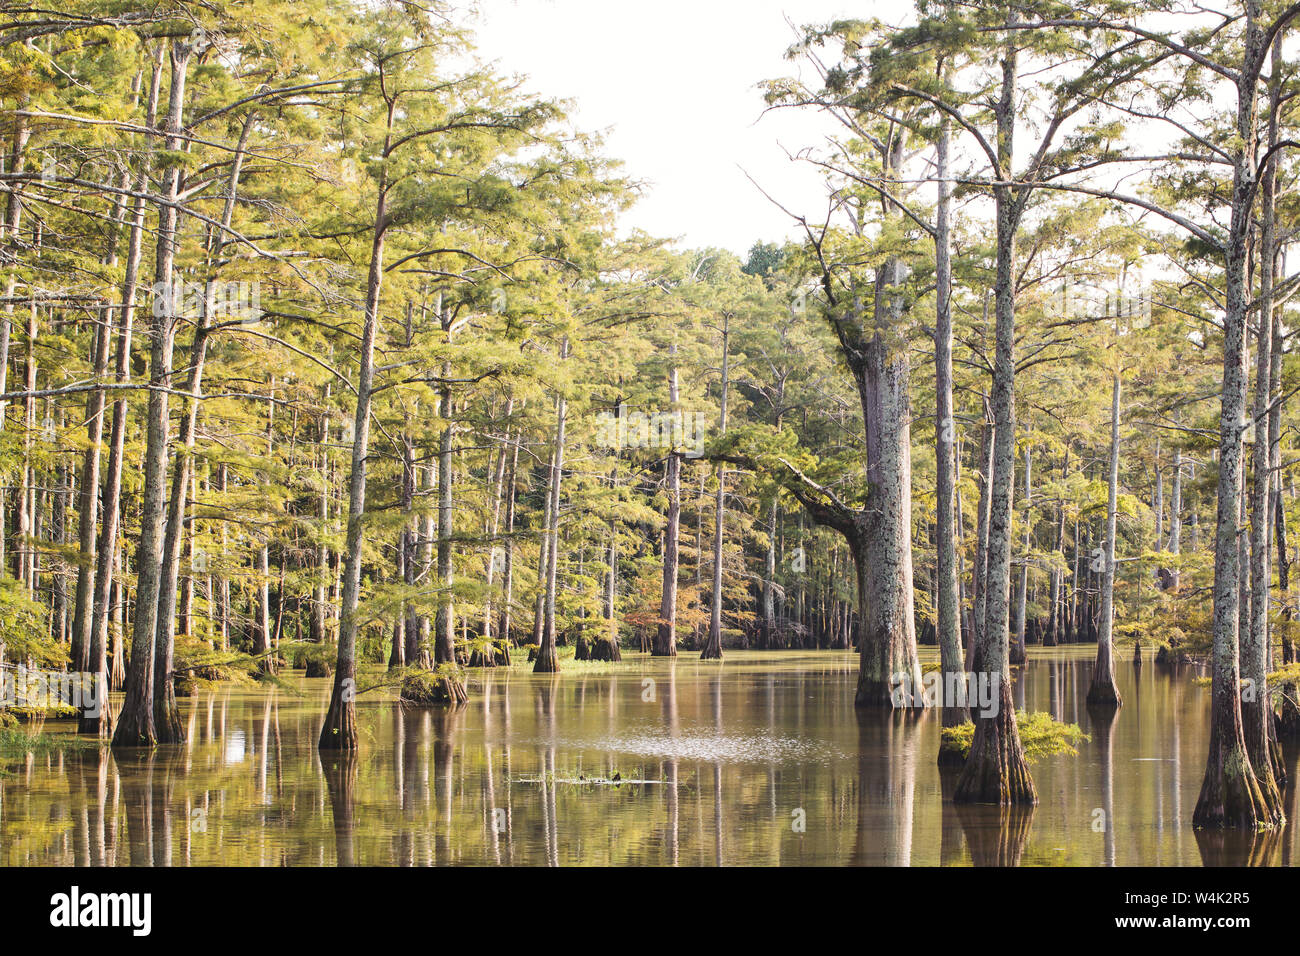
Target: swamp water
758 761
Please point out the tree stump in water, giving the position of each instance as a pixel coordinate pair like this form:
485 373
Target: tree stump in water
1288 721
497 654
426 689
319 667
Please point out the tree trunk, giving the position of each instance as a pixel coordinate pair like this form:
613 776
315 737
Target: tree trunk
1256 702
167 721
1017 650
1230 793
713 645
996 770
665 640
1103 694
947 606
339 732
444 645
887 644
547 662
135 726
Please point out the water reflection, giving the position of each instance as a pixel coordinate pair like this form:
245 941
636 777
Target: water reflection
762 760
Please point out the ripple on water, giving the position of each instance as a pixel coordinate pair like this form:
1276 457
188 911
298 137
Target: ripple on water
726 747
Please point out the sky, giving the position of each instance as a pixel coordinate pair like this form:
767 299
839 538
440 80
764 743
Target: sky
672 84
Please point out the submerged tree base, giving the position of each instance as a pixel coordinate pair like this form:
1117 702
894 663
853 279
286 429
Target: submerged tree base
135 727
1231 798
339 731
604 649
1288 718
1104 695
495 654
952 753
433 689
546 660
319 668
996 770
97 726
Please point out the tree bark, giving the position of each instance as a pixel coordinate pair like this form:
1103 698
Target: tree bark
547 661
1103 694
947 606
665 640
1230 793
135 725
996 770
713 645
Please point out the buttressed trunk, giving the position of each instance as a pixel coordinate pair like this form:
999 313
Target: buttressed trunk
889 672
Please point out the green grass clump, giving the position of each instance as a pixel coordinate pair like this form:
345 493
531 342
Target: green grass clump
1040 736
17 744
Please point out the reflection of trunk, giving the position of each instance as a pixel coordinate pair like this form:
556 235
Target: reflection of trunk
713 646
886 802
341 783
1103 726
665 641
135 726
997 835
1103 693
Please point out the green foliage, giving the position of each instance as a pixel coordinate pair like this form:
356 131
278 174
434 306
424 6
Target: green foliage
1041 736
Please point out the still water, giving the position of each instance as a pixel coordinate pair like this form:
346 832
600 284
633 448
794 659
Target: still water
758 761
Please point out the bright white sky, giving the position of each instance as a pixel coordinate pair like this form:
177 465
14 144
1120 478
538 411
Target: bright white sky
673 86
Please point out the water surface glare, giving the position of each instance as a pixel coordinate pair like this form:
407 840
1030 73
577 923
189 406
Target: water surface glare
760 760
